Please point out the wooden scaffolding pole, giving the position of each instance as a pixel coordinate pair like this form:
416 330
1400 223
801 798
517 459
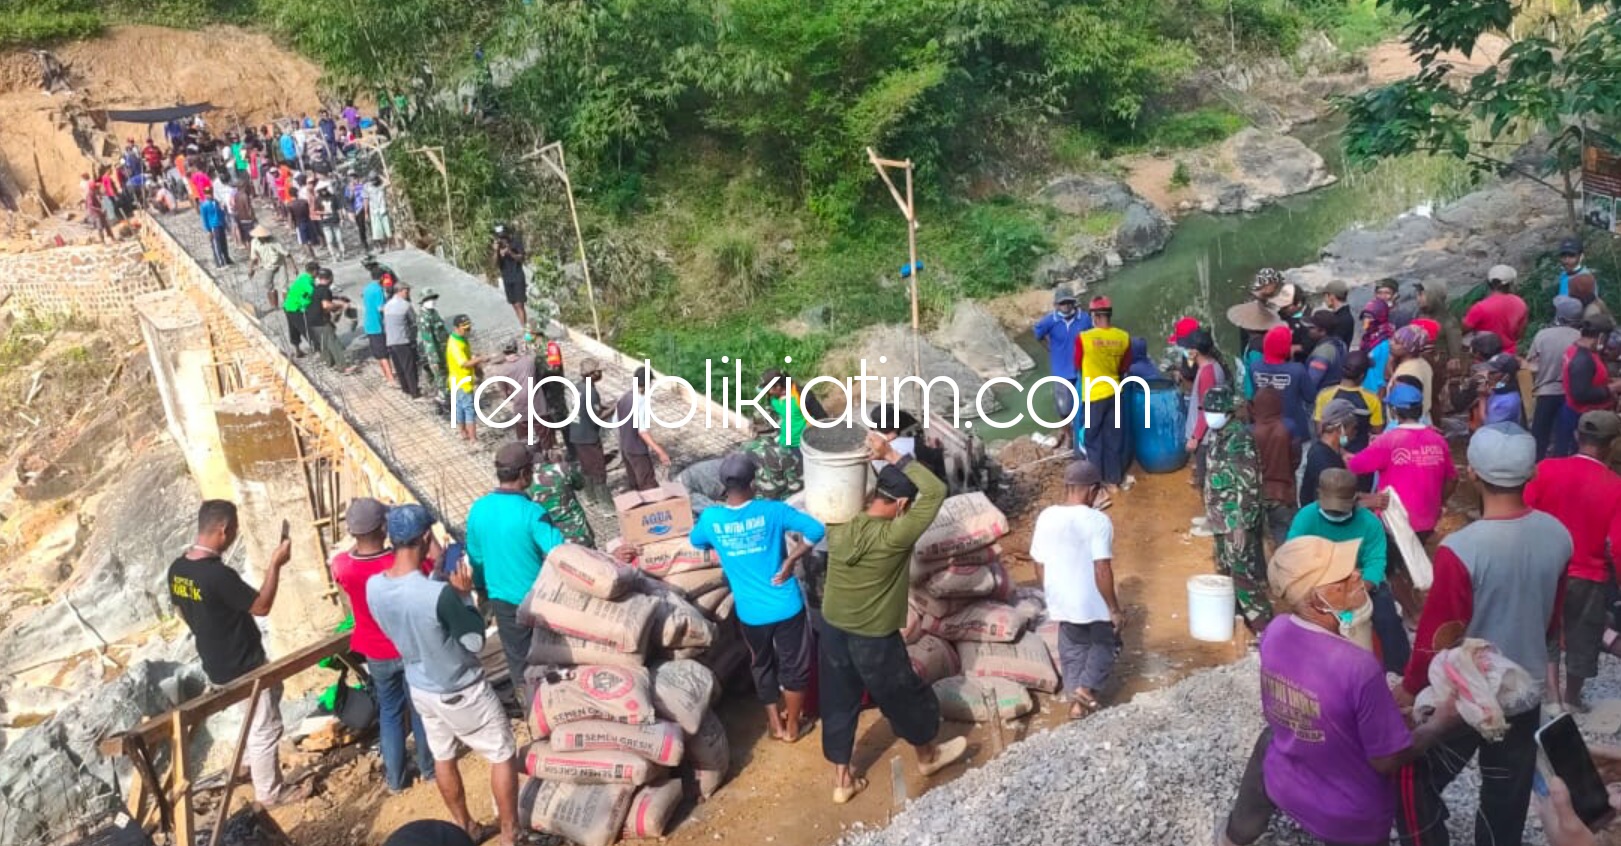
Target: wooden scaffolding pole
909 211
551 156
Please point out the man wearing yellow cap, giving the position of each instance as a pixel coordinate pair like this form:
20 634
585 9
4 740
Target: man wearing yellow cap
1335 736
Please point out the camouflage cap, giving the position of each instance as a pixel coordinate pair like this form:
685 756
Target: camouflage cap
1219 399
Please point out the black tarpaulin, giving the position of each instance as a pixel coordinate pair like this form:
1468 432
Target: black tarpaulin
158 115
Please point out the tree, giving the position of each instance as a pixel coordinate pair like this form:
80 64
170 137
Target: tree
1559 72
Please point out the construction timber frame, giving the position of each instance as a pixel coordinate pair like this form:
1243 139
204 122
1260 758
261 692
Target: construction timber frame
338 463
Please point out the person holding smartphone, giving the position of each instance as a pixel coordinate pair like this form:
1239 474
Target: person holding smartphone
1335 737
1561 824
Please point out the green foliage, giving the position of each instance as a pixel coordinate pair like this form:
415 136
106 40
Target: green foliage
26 23
381 43
1195 128
1180 177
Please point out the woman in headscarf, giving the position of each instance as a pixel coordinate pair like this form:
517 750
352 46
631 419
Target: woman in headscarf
1407 348
1233 506
1278 456
1376 324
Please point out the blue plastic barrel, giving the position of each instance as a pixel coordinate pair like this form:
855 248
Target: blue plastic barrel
1160 446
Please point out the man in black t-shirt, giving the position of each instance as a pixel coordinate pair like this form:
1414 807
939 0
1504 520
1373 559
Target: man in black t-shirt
219 608
1328 451
320 317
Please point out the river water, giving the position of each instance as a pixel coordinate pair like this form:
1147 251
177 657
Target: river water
1209 262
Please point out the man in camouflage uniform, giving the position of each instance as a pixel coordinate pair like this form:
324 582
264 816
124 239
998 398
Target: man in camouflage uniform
1232 497
432 337
555 483
780 473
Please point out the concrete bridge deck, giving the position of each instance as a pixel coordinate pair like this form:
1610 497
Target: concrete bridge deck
417 443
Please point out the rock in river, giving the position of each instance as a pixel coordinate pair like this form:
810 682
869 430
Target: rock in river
978 341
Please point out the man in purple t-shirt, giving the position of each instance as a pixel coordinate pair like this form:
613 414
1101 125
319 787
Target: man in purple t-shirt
1334 734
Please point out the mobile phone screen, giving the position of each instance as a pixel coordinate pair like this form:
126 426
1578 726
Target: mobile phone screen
1567 755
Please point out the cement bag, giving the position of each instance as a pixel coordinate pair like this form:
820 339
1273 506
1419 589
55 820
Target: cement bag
727 658
985 621
1047 630
580 813
660 743
1030 602
1407 542
968 582
549 648
587 767
914 624
921 567
966 522
967 700
591 572
934 606
621 626
1486 685
933 659
1025 661
651 809
680 625
694 583
593 692
710 602
682 692
709 754
667 557
726 608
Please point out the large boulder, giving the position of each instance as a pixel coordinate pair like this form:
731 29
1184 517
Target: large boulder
1079 261
1084 195
118 588
1143 232
978 341
1252 169
887 353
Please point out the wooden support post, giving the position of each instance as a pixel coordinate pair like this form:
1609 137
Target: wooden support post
909 211
183 821
141 756
236 761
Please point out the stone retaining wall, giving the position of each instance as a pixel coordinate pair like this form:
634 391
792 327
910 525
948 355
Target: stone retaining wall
98 282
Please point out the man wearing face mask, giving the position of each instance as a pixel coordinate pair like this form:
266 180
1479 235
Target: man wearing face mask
1233 507
1334 735
1337 516
863 612
1497 579
1059 330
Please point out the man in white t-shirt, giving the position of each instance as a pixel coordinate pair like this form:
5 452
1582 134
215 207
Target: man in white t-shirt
1073 549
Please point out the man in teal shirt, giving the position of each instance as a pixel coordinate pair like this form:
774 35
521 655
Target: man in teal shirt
1337 516
508 537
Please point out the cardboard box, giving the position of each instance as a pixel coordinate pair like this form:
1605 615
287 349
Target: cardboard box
653 515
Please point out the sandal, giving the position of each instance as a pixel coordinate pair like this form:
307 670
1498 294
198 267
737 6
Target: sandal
483 831
843 794
945 755
804 728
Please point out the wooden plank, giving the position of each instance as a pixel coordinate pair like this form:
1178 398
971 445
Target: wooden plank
196 710
142 758
236 761
183 822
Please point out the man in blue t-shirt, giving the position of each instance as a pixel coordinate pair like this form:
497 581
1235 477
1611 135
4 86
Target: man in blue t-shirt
372 300
1059 330
749 535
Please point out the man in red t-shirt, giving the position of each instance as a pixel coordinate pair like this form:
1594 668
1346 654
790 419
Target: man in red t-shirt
1501 313
368 557
1584 495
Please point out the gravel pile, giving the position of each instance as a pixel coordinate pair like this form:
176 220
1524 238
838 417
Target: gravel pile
1162 768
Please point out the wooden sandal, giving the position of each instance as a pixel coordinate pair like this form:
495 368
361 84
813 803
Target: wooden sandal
842 794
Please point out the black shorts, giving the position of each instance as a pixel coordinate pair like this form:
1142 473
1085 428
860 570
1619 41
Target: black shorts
379 349
779 656
517 291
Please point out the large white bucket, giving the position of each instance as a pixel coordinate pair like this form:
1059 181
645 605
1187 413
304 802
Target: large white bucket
1211 608
837 472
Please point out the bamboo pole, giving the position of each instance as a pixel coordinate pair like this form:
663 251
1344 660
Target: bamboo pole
559 168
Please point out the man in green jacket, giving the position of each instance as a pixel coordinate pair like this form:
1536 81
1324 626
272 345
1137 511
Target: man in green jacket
863 612
299 295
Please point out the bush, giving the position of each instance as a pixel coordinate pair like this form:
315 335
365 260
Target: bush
1180 177
30 22
1195 129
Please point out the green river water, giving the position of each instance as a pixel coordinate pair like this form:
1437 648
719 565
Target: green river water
1210 260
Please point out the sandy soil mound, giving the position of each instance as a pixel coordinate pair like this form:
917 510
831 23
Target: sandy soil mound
242 73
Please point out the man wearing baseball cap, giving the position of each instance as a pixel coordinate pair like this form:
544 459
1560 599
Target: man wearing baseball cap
351 569
1586 381
440 635
1496 579
508 538
1101 356
1570 264
1502 312
1336 426
1334 735
1060 330
1501 402
1335 303
1338 516
435 340
749 534
1584 495
1073 547
461 371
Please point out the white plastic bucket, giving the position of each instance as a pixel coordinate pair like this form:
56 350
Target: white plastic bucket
1211 608
836 472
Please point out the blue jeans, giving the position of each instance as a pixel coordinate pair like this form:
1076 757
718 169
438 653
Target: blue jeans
393 704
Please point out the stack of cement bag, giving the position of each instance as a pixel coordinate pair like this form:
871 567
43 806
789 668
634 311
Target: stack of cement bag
620 709
970 632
